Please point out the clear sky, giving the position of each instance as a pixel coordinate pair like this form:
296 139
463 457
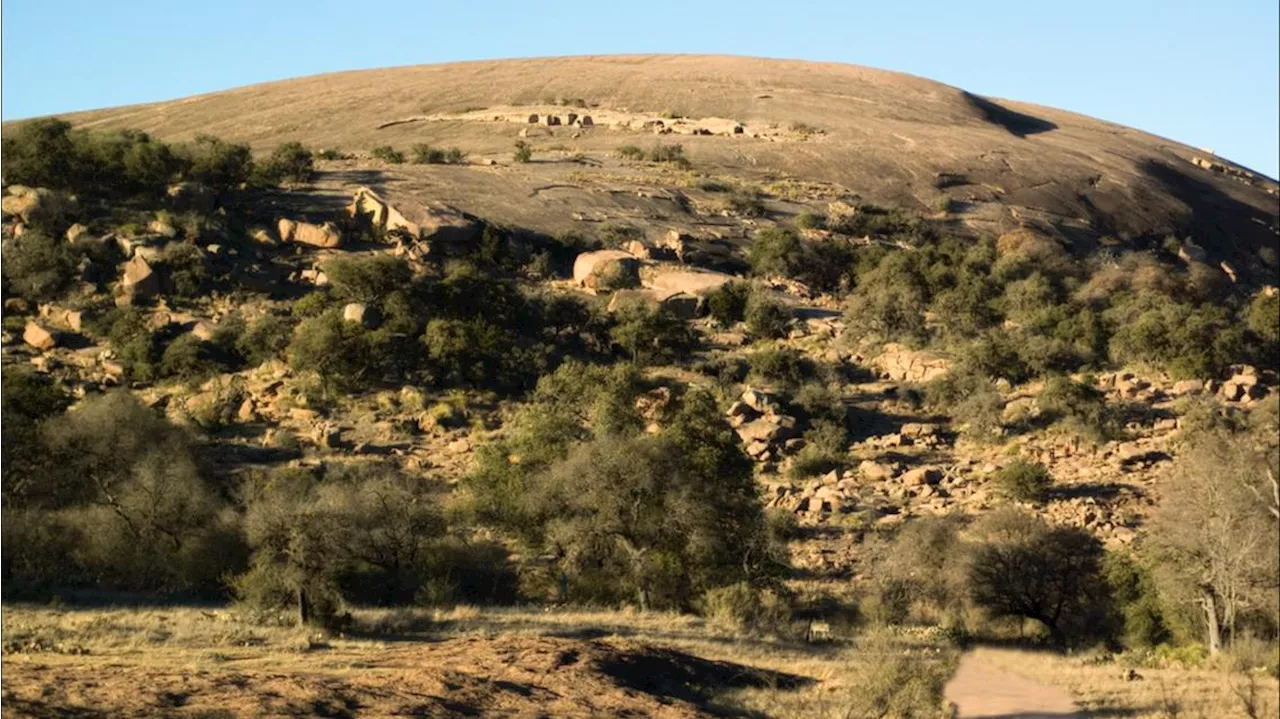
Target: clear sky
1204 72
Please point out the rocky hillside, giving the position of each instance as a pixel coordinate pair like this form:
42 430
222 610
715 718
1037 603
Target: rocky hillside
829 300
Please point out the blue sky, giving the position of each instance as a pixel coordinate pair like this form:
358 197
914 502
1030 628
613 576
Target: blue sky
1204 73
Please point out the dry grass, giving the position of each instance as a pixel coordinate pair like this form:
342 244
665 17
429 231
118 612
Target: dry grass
1161 693
841 678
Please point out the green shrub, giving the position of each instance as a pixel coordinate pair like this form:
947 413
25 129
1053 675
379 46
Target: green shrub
1263 317
424 154
742 607
890 300
811 221
824 450
343 354
776 251
747 204
290 162
48 153
783 366
367 279
186 269
766 318
524 152
971 400
1188 341
387 154
728 303
27 400
1024 481
668 153
1079 406
264 340
39 266
330 153
630 152
221 165
650 335
187 358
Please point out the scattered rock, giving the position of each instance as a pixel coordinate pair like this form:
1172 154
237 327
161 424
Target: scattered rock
875 471
325 236
903 365
361 314
38 337
921 476
138 281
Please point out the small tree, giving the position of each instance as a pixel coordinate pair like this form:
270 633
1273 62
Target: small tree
1216 532
1029 569
524 152
38 265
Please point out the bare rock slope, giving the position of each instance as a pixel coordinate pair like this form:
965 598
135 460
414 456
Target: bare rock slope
831 130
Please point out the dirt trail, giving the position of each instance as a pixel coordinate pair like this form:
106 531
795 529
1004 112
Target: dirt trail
981 690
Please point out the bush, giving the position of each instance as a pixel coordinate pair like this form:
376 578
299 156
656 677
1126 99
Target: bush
811 221
524 152
290 162
264 340
186 269
728 303
747 204
668 153
221 165
630 152
387 154
766 318
970 399
367 279
129 478
187 358
781 366
890 301
424 154
824 450
1263 317
1079 406
659 518
343 354
742 607
1188 341
1024 481
776 251
330 153
39 266
27 399
650 335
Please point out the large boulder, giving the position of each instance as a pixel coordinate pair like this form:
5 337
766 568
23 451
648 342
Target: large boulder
326 236
137 281
690 282
38 337
903 365
606 269
437 224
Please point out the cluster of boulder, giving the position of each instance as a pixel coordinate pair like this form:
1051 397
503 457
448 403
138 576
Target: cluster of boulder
900 364
765 431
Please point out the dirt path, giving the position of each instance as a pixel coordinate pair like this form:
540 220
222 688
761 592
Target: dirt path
981 690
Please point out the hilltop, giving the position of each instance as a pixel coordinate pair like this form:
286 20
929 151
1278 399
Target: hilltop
883 137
